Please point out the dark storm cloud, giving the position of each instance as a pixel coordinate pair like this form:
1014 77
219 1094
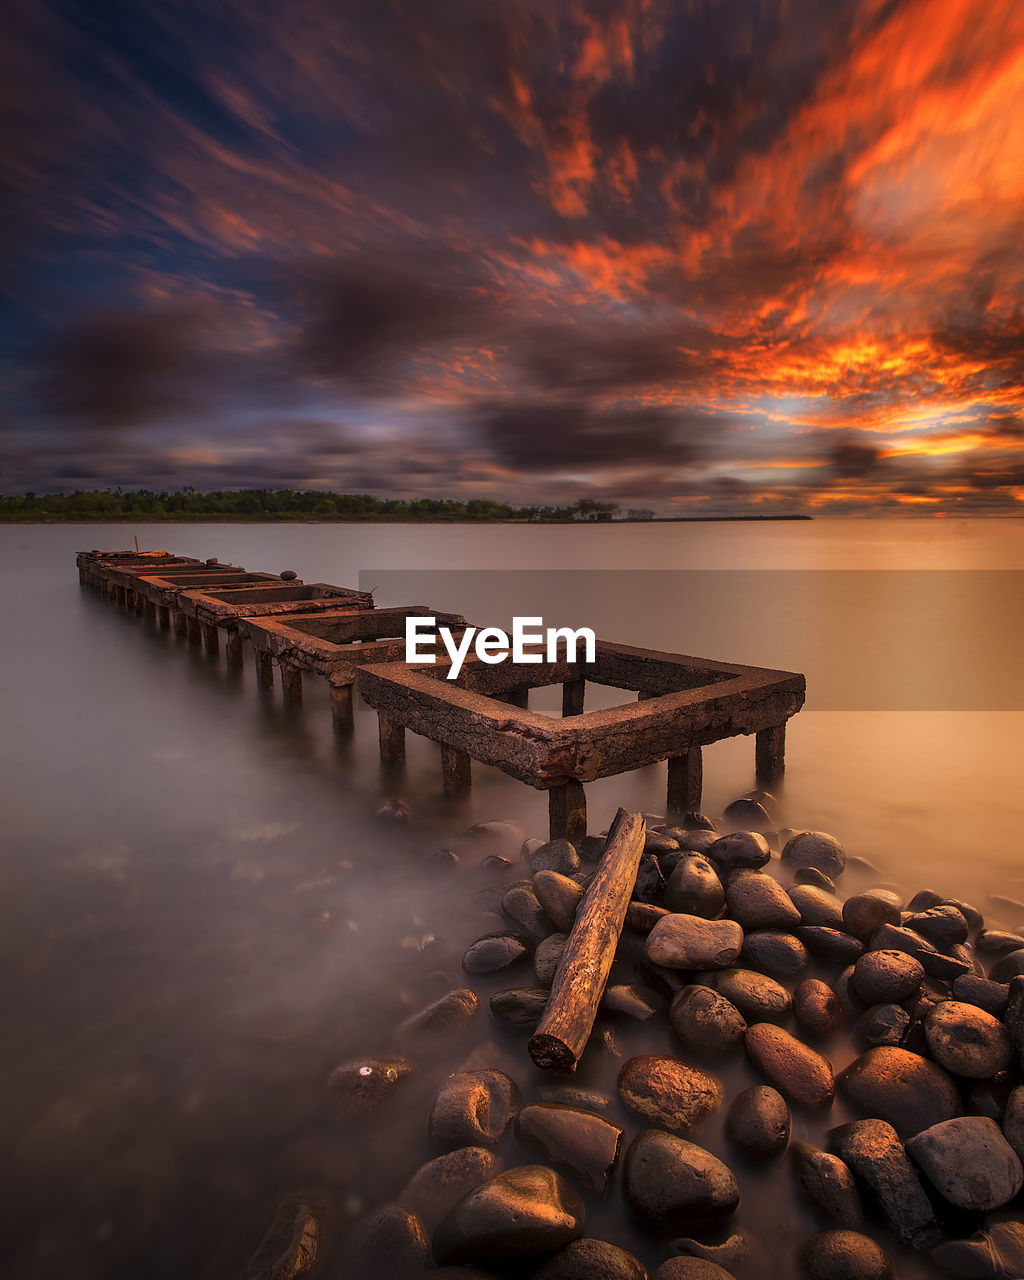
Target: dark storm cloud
853 458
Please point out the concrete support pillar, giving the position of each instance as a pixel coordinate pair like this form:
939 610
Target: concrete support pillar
770 755
180 623
140 603
112 592
211 638
149 609
233 649
163 614
685 781
567 812
341 710
392 741
195 632
456 772
121 596
264 669
573 694
291 683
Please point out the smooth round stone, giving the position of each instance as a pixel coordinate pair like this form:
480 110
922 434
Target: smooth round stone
844 1255
590 1259
833 945
815 849
548 957
883 1024
495 951
675 1185
969 1163
438 1184
975 920
590 848
520 1006
992 1098
666 1092
887 977
650 883
995 942
570 1095
521 1213
828 1183
759 1123
365 1084
923 899
643 916
782 955
748 814
1007 967
817 906
694 887
908 1091
691 942
733 1254
873 1152
865 913
740 850
758 901
390 1241
578 1142
556 855
996 1251
559 897
657 842
698 840
705 1021
812 876
943 925
633 1000
473 1108
816 1007
520 905
966 1040
691 1269
800 1074
758 997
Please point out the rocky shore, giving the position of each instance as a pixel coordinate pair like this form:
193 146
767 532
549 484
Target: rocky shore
857 1057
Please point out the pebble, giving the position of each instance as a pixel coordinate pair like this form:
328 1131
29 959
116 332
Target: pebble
698 840
975 920
966 1040
759 1123
1013 1120
997 1251
590 1259
436 1185
496 951
675 1185
705 1022
732 1254
521 1213
844 1255
749 814
902 1088
758 997
780 954
798 1072
520 1006
694 888
883 1024
445 1017
657 842
520 905
815 849
548 956
881 977
1007 967
690 942
390 1241
295 1242
573 1096
668 1093
473 1108
833 945
865 913
874 1153
969 1163
896 938
690 1269
642 916
811 875
758 901
817 906
634 1000
943 925
559 898
577 1142
828 1184
555 855
363 1085
816 1007
995 942
740 850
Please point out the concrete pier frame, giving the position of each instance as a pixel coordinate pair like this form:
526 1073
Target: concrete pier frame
392 742
291 683
567 812
770 755
685 781
342 715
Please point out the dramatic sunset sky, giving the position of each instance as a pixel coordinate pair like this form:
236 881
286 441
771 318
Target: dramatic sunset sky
689 255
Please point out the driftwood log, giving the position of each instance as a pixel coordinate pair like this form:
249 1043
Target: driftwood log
568 1020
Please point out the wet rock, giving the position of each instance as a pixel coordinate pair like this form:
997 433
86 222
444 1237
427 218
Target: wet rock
882 977
995 942
445 1017
817 906
690 942
473 1108
590 848
500 835
657 842
923 899
675 1185
496 951
815 849
739 851
459 1273
643 916
828 1184
892 938
589 1259
495 862
390 1241
800 1074
758 901
852 1004
975 920
556 855
650 883
548 957
1013 1120
969 1163
780 954
812 876
732 1254
559 898
563 1095
1013 1019
966 1040
577 1142
997 1251
667 1092
690 1269
705 1021
520 905
694 888
882 1024
521 1213
295 1243
363 1085
902 1088
875 1154
748 814
865 913
844 1255
942 925
831 945
992 1097
396 811
758 997
438 1184
635 1000
1007 967
759 1123
699 840
816 1007
520 1006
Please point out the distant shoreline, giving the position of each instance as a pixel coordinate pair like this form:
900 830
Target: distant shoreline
200 518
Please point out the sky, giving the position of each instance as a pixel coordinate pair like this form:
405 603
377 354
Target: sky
701 257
